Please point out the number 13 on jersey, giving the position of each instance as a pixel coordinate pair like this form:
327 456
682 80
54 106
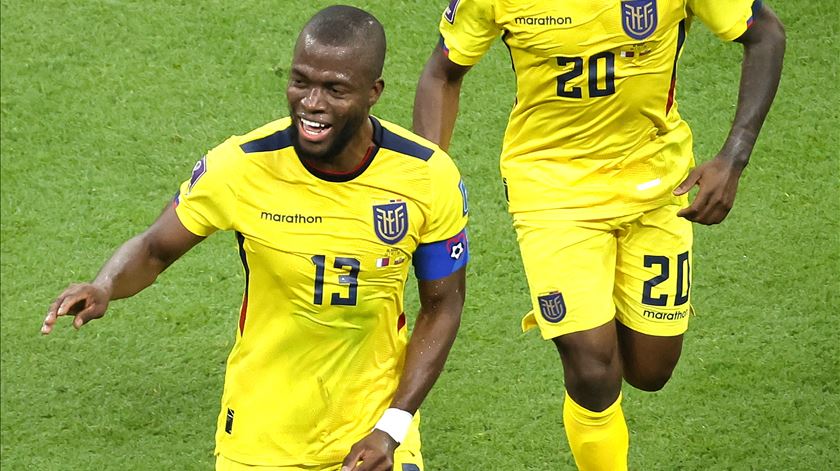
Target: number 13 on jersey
349 279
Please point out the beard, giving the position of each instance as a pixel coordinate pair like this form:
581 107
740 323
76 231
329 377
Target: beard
339 143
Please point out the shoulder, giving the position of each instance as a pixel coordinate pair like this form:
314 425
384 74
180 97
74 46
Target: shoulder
267 138
401 141
397 139
229 158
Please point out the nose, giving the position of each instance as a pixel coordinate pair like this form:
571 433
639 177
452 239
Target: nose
313 99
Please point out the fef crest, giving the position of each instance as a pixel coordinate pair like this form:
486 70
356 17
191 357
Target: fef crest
639 18
552 306
390 221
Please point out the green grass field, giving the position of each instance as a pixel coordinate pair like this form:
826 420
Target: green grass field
106 105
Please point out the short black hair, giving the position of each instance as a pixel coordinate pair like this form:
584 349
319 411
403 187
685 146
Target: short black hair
343 25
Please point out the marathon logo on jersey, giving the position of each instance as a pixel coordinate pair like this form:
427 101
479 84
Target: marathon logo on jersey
639 18
552 306
199 169
449 13
390 221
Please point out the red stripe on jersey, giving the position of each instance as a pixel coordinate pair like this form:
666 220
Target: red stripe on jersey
401 321
242 313
671 94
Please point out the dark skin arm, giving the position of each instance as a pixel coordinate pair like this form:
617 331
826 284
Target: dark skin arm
436 99
441 302
133 267
761 69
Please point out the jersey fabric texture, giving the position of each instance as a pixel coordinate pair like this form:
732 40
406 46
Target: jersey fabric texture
320 345
594 130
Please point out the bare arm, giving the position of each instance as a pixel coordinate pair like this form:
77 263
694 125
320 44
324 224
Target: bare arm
761 69
436 99
133 267
441 302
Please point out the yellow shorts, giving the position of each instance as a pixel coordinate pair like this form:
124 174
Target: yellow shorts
404 460
583 274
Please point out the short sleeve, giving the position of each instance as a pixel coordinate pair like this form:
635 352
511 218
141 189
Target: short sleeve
207 202
728 19
468 29
449 208
443 247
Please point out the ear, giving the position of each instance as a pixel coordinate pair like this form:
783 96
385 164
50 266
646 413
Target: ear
376 91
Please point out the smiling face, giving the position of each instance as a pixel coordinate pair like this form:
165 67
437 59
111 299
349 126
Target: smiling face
330 92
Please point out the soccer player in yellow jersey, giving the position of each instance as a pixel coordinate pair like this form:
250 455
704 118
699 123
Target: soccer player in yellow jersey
596 164
329 207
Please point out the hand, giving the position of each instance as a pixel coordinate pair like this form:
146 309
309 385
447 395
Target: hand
84 301
718 181
375 451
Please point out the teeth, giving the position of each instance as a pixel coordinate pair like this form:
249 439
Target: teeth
312 124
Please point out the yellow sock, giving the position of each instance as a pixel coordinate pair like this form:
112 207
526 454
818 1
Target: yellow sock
599 440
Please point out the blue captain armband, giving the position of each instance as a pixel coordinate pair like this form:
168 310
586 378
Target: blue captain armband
442 258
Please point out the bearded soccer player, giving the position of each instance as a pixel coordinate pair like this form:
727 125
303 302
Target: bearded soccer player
329 208
596 163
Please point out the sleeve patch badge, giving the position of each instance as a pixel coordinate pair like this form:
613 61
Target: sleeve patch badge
450 11
456 246
463 189
198 171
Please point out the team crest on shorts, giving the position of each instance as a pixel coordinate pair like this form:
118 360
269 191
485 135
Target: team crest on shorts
390 221
552 306
639 18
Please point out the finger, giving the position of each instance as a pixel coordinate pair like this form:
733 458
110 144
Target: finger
52 315
715 209
686 185
689 212
371 464
91 311
351 460
47 325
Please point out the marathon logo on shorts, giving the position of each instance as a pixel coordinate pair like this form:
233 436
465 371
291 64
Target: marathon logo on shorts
552 306
390 221
639 18
449 13
666 316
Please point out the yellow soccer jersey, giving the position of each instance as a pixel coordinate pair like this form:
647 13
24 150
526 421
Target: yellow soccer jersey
321 339
594 130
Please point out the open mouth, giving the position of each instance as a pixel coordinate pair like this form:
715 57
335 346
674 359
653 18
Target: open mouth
313 130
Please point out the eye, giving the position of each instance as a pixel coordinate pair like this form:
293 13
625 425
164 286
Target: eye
337 91
296 82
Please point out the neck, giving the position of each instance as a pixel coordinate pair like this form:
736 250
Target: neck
351 157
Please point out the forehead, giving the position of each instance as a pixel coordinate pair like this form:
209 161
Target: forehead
318 60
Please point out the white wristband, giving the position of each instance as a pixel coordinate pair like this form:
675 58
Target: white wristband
395 422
